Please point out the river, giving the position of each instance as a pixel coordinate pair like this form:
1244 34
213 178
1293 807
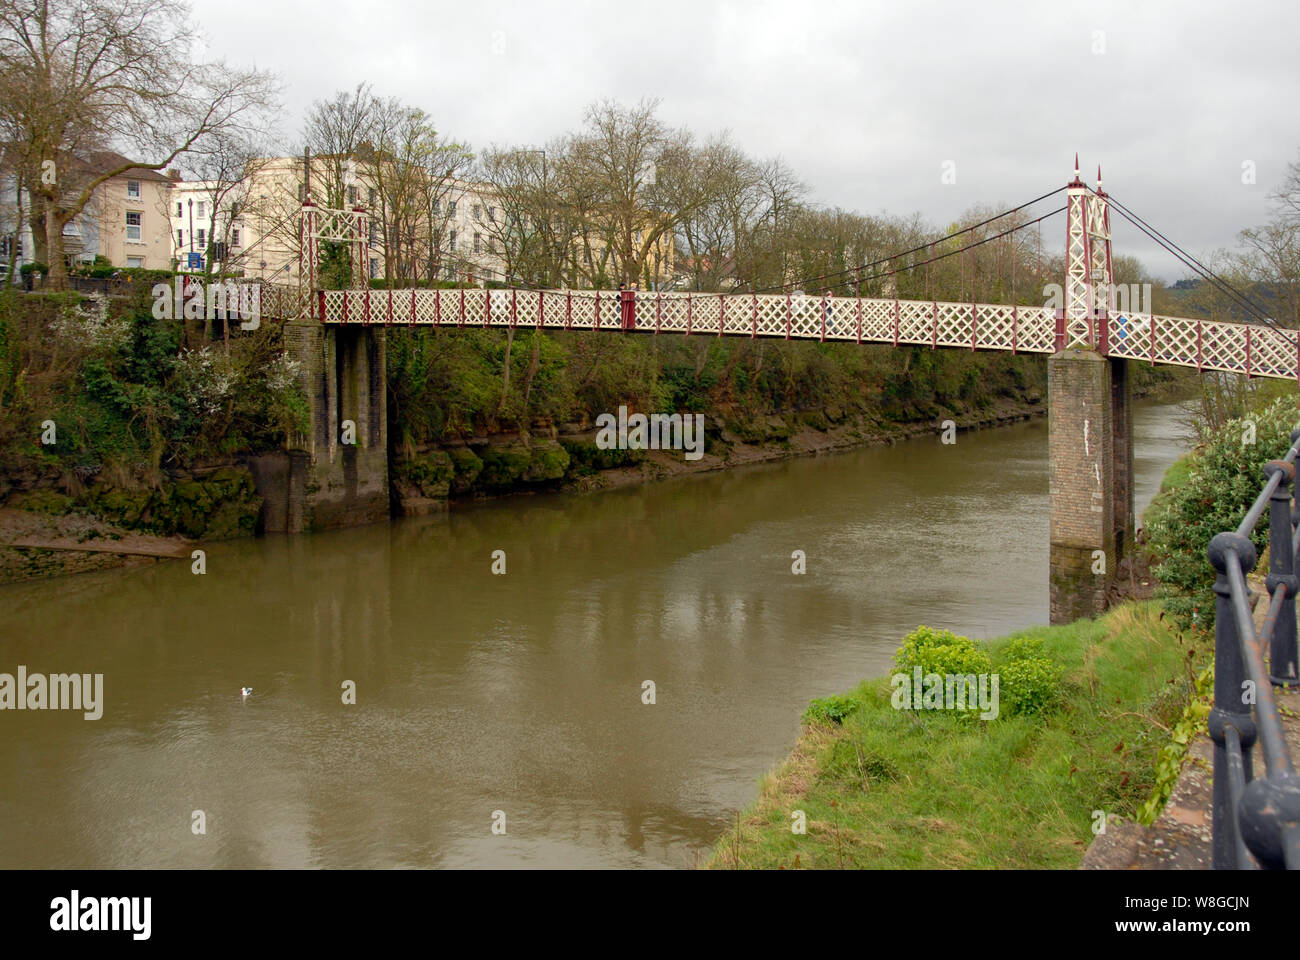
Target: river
483 698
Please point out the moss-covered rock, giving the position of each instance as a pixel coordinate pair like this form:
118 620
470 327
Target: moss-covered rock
466 466
222 505
504 466
585 458
233 518
428 475
816 419
127 508
49 502
778 428
549 461
748 430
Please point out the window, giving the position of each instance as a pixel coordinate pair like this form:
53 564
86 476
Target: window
371 232
451 272
4 247
374 268
202 238
478 212
133 225
180 209
478 243
451 208
180 238
234 237
133 189
372 196
453 239
134 262
586 256
352 195
492 245
437 207
492 214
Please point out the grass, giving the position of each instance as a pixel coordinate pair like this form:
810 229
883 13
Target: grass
897 789
1177 473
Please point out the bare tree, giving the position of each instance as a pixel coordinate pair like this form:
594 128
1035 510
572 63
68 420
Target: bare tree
645 177
83 73
414 171
337 131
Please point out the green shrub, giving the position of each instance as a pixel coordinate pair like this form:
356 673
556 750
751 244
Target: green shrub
1223 477
1029 686
1021 648
941 652
831 709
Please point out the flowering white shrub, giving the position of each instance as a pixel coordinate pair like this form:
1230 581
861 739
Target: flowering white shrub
282 373
88 324
206 378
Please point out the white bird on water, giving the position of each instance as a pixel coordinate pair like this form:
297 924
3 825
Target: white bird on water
245 691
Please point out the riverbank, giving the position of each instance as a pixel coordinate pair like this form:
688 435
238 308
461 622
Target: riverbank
730 443
433 477
890 787
881 787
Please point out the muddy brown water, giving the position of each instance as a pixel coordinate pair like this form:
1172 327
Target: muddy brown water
521 693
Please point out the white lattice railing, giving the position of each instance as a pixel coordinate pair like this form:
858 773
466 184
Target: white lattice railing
979 326
1250 349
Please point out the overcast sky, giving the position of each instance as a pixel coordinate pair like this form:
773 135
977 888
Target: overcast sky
866 101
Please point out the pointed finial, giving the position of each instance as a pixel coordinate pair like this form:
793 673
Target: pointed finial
1076 165
1099 176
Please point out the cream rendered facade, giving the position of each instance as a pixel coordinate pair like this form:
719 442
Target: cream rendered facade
260 219
267 207
125 221
134 226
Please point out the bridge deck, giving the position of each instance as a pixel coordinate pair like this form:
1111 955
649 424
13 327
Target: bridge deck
1250 349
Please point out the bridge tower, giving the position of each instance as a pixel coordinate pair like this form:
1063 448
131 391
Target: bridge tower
1090 420
338 466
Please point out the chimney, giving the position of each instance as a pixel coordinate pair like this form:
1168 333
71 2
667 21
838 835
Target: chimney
174 174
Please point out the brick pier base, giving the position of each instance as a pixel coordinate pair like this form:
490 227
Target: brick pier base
1090 427
326 482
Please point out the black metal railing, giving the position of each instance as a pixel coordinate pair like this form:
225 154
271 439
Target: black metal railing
1256 819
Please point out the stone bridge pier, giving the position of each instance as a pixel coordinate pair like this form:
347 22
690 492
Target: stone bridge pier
1090 465
337 472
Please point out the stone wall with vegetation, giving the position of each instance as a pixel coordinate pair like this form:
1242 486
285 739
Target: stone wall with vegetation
482 412
149 419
